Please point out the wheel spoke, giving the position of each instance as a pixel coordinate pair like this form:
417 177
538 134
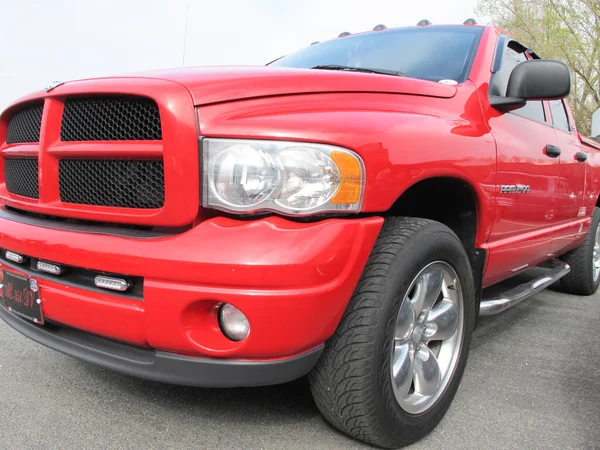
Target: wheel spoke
428 289
427 375
431 313
405 321
442 321
402 368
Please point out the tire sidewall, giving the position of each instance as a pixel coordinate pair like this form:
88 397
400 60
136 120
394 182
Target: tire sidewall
591 241
435 243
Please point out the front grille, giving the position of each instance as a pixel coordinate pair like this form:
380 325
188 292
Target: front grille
119 183
24 125
21 175
116 118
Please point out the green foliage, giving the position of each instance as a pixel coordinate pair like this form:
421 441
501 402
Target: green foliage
566 30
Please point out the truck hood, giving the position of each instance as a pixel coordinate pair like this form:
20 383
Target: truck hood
220 84
208 85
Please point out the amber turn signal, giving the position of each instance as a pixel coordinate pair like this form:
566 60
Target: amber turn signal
350 175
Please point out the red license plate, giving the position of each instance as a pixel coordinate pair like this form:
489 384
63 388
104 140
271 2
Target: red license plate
22 297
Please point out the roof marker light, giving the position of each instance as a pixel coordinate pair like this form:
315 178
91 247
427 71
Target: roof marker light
114 284
470 21
14 257
380 27
344 34
423 23
47 267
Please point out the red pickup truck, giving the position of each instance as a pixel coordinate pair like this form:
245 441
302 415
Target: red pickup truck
338 213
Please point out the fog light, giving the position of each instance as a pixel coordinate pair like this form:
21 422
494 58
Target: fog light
15 257
114 284
233 323
49 268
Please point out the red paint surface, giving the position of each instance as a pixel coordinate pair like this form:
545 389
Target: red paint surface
293 280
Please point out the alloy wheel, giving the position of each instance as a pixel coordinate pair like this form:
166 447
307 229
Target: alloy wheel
428 336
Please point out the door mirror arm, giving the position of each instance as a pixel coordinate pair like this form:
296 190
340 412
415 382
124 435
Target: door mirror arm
506 104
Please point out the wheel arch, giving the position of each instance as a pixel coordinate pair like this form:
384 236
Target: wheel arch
455 202
449 199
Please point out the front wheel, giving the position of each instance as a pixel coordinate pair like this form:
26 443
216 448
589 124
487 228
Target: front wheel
392 368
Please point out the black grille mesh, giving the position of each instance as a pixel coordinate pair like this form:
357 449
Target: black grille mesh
123 118
24 125
119 183
21 175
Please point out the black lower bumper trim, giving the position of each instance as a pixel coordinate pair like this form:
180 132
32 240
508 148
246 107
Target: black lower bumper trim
162 366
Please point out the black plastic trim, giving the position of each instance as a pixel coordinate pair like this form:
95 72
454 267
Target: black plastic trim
552 151
162 366
478 259
506 104
533 54
27 219
77 277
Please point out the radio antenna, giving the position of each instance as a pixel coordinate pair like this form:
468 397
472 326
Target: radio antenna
187 18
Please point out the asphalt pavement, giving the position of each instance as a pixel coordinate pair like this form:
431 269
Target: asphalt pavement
532 382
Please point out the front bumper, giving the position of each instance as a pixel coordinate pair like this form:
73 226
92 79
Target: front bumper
292 281
162 366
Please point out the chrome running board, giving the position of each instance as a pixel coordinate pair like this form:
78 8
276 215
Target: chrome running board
499 303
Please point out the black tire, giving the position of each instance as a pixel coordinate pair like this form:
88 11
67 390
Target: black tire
351 383
580 280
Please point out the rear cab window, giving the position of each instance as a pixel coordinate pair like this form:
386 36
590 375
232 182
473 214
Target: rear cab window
560 119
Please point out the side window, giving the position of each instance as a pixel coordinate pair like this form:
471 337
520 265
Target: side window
533 110
510 60
559 116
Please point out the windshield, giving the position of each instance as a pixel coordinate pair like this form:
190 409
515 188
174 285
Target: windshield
431 53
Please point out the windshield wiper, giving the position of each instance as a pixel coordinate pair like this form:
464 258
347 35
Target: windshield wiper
360 69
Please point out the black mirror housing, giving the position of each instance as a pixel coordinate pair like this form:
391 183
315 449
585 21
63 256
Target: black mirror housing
539 79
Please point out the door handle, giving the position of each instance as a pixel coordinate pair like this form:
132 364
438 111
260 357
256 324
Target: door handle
580 156
552 151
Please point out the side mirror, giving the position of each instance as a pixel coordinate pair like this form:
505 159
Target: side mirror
538 79
596 124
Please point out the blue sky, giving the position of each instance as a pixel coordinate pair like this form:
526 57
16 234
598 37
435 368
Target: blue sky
51 40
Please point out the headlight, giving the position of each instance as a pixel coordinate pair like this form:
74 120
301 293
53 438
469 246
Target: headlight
288 177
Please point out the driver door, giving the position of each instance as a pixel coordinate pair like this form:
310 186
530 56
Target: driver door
527 180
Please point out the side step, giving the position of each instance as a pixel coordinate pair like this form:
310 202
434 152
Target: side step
499 303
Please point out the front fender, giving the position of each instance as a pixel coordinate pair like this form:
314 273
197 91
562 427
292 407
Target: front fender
402 139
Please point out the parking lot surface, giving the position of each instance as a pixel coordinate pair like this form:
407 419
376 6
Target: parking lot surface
532 382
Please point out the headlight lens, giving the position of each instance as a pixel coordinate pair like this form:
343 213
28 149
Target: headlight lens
243 175
288 177
310 178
